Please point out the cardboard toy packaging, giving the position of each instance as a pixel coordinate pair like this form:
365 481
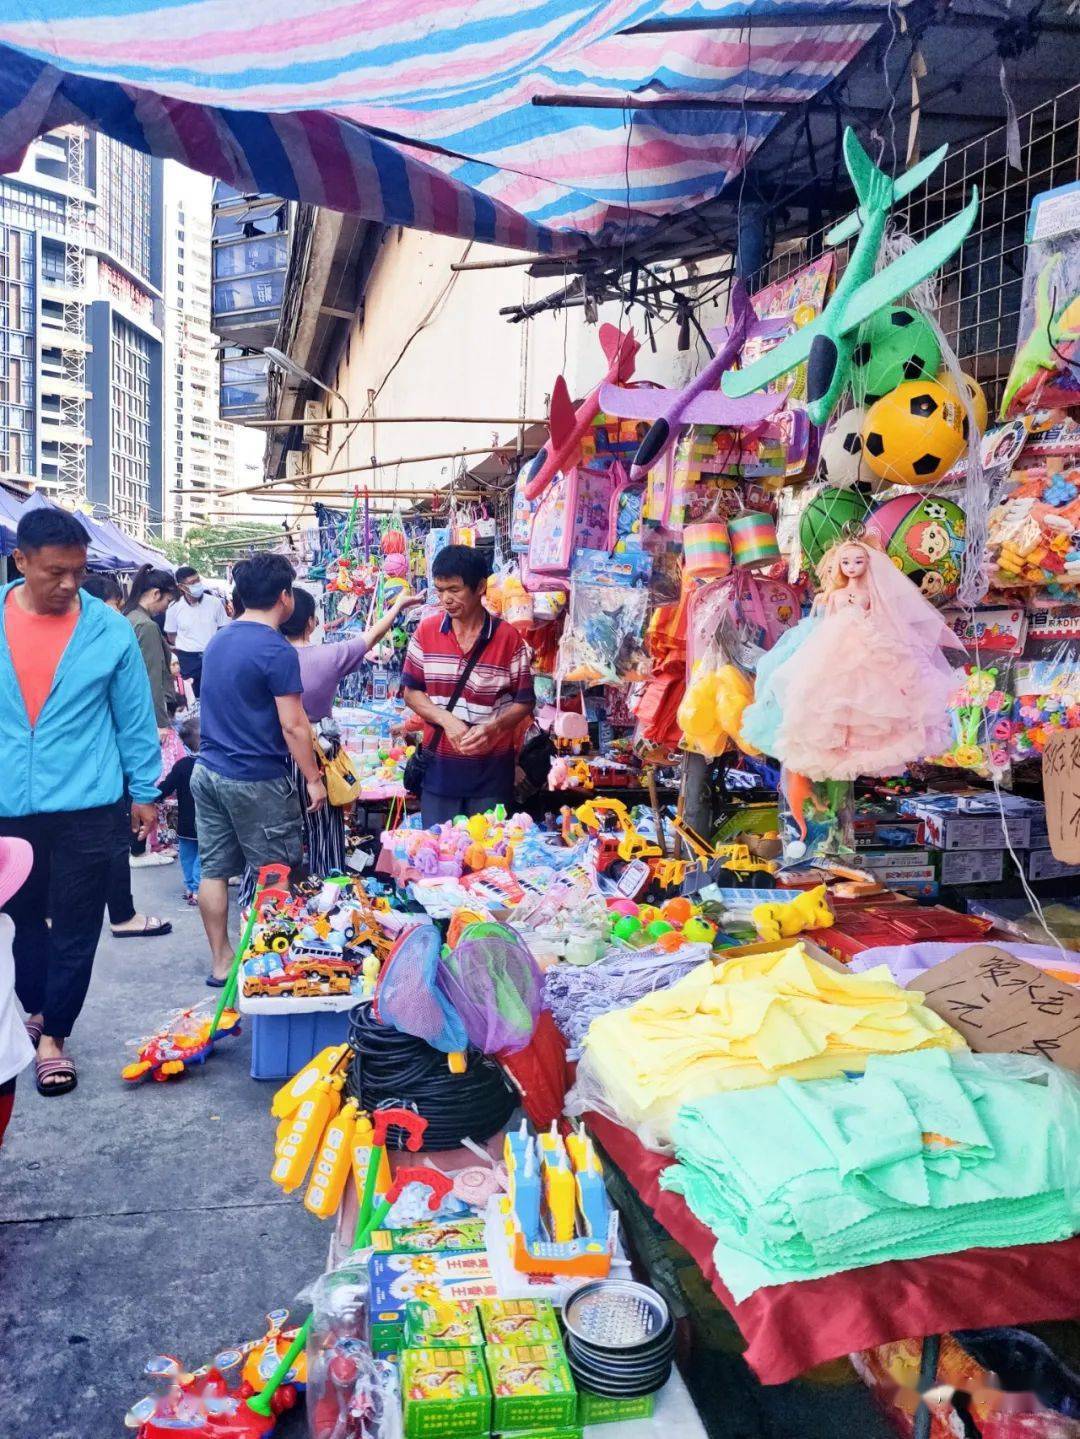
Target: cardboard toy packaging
519 1321
463 1235
442 1326
444 1393
397 1278
598 1409
531 1386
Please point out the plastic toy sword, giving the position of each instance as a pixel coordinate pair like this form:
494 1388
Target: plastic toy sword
569 426
700 402
829 340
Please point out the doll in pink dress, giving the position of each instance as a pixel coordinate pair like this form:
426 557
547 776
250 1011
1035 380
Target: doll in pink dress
867 692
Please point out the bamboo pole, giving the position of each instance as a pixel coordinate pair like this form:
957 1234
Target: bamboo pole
395 420
364 469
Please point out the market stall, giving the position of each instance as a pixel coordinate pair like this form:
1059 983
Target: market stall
778 936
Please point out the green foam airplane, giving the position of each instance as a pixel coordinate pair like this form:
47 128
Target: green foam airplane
828 341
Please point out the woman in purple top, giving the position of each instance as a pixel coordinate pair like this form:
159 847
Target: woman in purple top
322 668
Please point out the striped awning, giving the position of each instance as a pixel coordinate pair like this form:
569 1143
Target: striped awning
420 112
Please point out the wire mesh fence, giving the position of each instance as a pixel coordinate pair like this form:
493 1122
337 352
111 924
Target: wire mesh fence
980 289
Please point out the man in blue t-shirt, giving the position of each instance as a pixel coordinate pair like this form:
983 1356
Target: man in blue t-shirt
247 809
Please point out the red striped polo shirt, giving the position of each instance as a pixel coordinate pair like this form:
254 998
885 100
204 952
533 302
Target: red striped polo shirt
501 677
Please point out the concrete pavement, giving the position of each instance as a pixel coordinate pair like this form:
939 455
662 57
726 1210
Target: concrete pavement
138 1221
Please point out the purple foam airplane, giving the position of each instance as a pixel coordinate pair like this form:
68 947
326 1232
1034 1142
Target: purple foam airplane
700 402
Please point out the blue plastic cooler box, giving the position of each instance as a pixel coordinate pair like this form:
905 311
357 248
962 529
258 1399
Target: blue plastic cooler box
281 1044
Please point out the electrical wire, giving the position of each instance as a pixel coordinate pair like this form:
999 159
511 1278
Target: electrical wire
391 1068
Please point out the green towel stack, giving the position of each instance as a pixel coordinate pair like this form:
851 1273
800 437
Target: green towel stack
927 1153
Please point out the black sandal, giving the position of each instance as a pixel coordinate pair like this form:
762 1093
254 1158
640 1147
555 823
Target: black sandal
66 1077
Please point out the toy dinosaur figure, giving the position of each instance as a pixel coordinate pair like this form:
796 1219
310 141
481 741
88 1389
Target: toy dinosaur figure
828 342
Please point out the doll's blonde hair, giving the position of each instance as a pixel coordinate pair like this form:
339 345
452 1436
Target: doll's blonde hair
829 572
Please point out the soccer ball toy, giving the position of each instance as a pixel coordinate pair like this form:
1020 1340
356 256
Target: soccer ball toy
916 433
897 344
975 392
841 461
824 519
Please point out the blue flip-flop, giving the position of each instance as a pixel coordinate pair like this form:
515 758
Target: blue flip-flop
215 983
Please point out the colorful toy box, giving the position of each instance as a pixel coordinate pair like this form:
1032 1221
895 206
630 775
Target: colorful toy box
442 1326
531 1386
397 1278
519 1321
445 1392
464 1236
598 1409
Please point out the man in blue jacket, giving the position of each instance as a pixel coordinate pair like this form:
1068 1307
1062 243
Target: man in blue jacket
76 722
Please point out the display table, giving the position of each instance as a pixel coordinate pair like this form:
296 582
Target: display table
789 1328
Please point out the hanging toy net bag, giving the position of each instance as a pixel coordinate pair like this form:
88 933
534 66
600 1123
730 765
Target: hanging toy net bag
494 985
407 997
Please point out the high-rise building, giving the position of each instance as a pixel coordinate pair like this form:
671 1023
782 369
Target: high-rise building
80 325
203 453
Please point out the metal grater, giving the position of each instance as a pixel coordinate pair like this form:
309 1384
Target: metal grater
615 1314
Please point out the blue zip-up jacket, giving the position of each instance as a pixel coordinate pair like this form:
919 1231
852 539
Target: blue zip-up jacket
95 730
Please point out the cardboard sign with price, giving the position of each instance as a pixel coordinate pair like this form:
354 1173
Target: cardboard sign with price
1061 788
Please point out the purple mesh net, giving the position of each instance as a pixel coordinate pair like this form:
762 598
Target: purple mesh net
494 984
407 996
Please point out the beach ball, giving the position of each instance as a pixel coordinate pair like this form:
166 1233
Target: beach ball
923 535
913 435
396 566
392 543
975 392
824 519
840 462
895 345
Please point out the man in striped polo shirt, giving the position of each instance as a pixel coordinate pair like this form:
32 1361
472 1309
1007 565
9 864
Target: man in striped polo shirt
473 748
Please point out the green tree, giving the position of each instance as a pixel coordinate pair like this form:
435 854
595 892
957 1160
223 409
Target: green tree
211 548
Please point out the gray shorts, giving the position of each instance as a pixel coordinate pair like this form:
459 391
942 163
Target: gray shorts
245 822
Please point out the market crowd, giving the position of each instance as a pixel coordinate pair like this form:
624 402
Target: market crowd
113 699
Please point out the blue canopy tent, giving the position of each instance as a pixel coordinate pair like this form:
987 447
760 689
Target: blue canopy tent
104 552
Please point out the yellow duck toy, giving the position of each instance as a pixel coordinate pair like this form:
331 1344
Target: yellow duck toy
784 921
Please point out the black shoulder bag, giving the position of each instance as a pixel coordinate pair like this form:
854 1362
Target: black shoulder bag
417 766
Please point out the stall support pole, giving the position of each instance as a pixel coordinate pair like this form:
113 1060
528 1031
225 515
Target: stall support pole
696 805
753 248
928 1365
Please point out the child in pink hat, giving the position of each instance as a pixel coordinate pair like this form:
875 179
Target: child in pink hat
16 1050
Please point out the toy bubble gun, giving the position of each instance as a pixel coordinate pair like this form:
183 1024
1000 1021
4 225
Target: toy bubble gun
440 1185
362 1152
298 1137
272 883
591 1195
332 1163
523 1170
290 1096
558 1184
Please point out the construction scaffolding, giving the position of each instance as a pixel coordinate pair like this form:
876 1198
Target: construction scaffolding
72 438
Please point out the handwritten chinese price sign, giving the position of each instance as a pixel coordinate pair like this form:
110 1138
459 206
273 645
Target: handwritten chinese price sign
1003 1005
1061 787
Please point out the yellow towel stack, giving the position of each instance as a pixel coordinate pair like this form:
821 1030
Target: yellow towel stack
746 1022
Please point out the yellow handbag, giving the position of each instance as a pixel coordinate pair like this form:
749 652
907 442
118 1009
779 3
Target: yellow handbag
341 780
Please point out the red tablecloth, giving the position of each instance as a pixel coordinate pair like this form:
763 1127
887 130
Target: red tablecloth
789 1328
